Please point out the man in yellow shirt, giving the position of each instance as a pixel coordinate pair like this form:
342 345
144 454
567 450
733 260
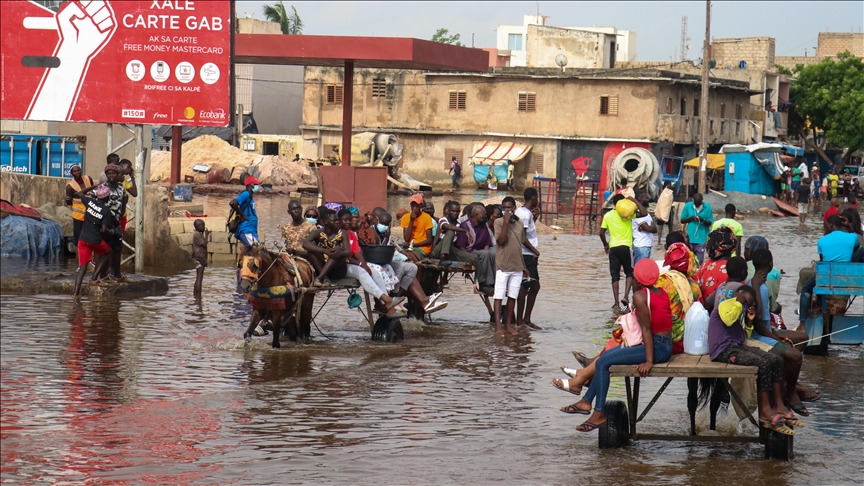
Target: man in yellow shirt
417 230
619 247
735 226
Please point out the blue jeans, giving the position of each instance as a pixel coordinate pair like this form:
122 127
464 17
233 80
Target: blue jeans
455 180
806 294
699 251
640 252
623 356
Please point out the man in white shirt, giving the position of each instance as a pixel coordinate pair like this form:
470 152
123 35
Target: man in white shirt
805 173
643 232
530 255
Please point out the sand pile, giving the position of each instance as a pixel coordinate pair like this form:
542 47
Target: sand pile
220 156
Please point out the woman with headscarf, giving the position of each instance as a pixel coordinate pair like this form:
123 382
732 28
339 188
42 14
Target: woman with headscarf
680 284
655 321
719 247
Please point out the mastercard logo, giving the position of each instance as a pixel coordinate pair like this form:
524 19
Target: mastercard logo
189 113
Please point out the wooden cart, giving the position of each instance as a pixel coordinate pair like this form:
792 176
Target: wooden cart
621 418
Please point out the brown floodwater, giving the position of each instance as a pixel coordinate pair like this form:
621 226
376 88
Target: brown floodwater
161 389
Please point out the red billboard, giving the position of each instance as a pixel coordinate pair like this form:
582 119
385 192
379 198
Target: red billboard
161 62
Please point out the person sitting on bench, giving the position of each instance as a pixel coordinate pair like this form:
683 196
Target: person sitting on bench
327 249
448 227
417 230
726 336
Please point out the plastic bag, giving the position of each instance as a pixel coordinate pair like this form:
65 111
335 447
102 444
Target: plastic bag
696 330
664 205
626 208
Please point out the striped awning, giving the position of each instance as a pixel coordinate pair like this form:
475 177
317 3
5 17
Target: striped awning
487 153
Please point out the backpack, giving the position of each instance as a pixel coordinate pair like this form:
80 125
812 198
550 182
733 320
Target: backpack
233 222
457 169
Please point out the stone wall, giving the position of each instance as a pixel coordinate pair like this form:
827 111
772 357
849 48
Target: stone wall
833 43
220 250
160 249
790 62
31 190
758 52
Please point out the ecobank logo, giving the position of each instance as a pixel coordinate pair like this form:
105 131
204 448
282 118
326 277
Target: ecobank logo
217 114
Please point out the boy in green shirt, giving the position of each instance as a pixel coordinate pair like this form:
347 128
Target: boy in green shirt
729 222
619 247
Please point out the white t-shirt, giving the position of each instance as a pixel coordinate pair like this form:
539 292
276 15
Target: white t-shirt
642 239
804 171
527 220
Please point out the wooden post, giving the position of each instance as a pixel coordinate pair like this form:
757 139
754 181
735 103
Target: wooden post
347 106
703 109
176 153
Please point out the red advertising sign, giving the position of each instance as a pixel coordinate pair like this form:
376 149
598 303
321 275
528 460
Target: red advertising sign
117 61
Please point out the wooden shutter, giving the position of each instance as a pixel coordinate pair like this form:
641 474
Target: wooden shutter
457 100
722 110
379 88
738 111
536 165
334 94
527 101
609 105
448 156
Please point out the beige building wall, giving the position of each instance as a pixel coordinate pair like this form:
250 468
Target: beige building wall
582 49
833 43
757 52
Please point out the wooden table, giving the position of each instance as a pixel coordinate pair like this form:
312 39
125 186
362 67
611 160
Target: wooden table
621 419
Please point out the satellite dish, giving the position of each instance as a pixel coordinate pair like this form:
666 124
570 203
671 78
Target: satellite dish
561 60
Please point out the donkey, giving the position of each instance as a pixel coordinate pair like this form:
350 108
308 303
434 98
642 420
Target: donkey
271 289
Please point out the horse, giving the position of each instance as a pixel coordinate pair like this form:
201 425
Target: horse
270 285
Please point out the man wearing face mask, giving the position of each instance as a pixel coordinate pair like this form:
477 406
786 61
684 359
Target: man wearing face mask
244 206
295 231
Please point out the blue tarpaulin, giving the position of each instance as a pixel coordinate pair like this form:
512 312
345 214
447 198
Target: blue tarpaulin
28 238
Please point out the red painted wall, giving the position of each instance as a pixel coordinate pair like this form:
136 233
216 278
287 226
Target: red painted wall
612 150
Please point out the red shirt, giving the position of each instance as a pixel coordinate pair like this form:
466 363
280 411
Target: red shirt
661 313
710 275
830 212
353 242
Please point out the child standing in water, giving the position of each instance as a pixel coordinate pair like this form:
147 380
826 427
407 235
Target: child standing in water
199 253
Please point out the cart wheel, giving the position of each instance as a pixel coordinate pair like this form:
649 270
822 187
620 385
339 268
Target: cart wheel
615 433
387 329
778 446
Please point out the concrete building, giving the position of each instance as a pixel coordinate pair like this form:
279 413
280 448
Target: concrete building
829 45
563 116
535 44
272 94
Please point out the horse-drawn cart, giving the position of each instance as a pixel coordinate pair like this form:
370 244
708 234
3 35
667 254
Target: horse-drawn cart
840 321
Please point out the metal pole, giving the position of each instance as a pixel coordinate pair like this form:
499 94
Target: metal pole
140 155
176 151
110 147
703 109
347 107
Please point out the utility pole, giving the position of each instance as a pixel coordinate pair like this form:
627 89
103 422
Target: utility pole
703 109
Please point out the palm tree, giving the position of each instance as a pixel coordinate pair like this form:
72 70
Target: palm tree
290 24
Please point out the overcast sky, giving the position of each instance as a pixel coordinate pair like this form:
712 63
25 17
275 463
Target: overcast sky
795 25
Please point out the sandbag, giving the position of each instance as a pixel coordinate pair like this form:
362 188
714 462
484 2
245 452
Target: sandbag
696 330
626 208
664 205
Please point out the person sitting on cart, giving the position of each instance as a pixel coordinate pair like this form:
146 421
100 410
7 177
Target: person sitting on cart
726 336
417 230
295 231
449 226
327 249
472 245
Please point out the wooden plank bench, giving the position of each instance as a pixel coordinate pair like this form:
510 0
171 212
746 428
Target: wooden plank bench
451 268
621 419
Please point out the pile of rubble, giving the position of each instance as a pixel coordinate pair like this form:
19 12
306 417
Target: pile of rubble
226 163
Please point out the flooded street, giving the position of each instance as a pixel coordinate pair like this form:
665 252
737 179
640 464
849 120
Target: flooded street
162 390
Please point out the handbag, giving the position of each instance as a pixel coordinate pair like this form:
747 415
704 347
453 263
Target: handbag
631 330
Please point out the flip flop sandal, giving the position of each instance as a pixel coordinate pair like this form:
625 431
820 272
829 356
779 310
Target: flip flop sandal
800 409
571 372
780 429
590 427
533 326
434 297
395 302
571 409
580 357
565 386
259 331
815 397
791 419
435 308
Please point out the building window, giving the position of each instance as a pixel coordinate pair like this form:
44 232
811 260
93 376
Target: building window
609 105
722 110
722 128
334 94
738 127
527 101
379 88
739 112
695 106
711 127
448 157
536 166
514 42
457 100
668 106
683 106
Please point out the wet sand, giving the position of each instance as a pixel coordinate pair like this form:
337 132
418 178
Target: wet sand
161 389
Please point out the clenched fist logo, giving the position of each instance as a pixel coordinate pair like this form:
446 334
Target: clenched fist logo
85 28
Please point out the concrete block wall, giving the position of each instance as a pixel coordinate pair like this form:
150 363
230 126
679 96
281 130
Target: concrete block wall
832 43
220 250
758 52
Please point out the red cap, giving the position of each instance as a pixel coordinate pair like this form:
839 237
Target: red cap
417 198
250 179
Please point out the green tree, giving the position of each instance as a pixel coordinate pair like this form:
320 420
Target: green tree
289 23
828 97
443 36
